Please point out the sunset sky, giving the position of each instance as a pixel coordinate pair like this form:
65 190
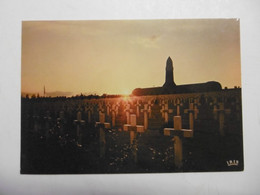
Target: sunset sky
115 57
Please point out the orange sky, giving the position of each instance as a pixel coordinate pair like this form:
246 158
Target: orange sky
114 57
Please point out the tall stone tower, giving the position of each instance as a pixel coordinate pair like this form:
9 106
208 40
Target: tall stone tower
169 81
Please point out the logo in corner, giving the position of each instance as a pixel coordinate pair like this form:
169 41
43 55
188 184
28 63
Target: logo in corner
232 162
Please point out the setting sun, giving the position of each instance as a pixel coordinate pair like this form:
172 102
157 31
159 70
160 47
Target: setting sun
126 92
93 57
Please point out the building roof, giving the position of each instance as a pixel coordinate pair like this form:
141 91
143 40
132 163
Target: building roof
170 87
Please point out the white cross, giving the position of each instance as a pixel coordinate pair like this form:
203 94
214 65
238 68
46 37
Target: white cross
178 104
100 108
108 106
162 102
222 111
128 110
150 104
133 128
78 124
165 112
138 105
215 108
102 126
89 109
113 111
191 111
117 106
178 133
145 111
196 110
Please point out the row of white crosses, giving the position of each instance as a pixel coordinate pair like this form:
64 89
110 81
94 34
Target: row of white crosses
128 111
219 113
131 127
147 110
165 108
165 111
112 110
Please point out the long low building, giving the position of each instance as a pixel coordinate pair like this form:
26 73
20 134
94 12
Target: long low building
170 87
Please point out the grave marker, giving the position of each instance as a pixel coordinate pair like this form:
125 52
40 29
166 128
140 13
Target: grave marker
145 111
178 134
100 108
178 105
113 111
133 130
191 112
127 111
79 123
215 108
150 104
89 110
165 112
196 110
138 105
102 126
108 106
222 111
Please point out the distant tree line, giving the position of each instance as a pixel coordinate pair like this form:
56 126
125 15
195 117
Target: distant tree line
76 97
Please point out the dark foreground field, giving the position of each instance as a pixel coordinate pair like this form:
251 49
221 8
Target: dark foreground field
152 152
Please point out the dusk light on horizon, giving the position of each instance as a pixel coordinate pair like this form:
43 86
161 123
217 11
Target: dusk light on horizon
115 57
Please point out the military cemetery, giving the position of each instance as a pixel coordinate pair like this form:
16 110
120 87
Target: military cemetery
173 128
155 133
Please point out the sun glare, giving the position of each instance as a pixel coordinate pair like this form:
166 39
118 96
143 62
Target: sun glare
126 95
126 92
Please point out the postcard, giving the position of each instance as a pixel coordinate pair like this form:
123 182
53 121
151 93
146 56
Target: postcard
131 96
